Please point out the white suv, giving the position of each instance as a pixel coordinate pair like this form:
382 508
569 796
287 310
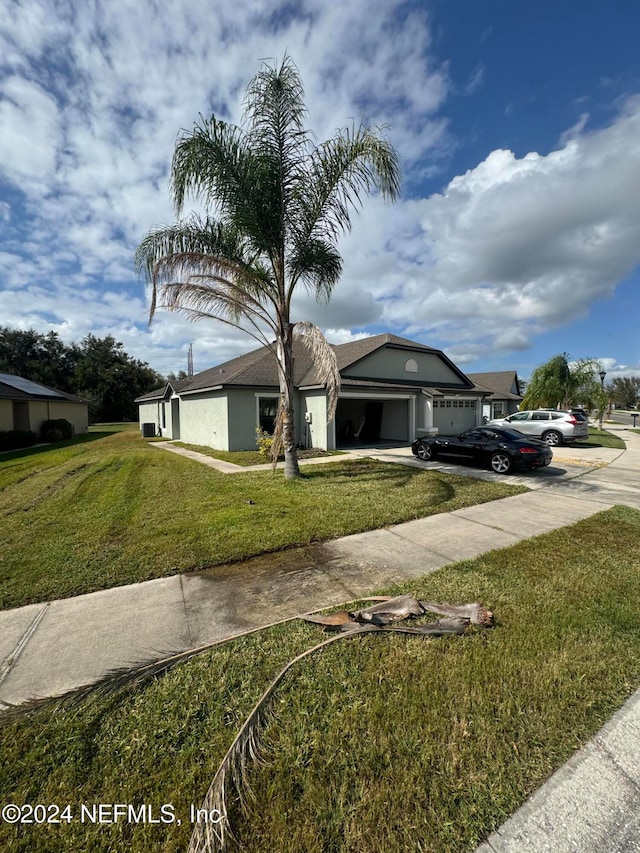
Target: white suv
550 425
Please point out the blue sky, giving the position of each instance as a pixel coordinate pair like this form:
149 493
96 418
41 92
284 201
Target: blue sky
518 126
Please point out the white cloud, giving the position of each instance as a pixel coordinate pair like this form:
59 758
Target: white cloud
513 246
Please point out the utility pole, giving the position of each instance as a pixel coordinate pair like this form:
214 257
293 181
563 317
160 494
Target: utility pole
190 362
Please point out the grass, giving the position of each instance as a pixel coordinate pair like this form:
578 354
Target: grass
378 743
247 458
108 509
601 438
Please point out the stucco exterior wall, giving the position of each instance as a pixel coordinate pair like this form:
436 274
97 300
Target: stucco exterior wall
389 363
204 420
76 413
38 413
148 414
6 415
243 416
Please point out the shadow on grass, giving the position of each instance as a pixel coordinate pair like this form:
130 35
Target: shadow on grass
58 445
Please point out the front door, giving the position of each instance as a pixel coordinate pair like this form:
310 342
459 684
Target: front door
175 419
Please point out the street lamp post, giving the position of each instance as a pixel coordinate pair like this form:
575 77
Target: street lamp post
602 374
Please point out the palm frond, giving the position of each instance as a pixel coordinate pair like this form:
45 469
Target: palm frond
232 772
209 836
317 263
341 170
324 360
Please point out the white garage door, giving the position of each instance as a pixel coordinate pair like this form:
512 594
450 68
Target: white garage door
454 416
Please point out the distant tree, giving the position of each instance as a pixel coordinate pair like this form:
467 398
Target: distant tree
560 383
36 356
625 391
109 379
182 374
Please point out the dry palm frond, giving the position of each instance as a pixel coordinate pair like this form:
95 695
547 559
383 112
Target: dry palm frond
212 836
324 360
476 613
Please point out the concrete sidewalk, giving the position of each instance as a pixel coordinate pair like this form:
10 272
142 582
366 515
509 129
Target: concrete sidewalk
591 804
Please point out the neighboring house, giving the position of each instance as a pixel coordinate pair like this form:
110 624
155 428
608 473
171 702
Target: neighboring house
505 397
25 405
392 390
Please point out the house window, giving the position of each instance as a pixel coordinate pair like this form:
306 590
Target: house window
164 416
411 366
267 410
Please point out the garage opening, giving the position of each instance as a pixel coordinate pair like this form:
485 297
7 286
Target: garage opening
365 422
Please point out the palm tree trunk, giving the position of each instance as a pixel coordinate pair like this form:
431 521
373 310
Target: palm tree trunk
291 468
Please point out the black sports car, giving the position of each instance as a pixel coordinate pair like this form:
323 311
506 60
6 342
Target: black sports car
499 448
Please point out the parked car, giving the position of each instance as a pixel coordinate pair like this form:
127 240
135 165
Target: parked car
499 448
551 425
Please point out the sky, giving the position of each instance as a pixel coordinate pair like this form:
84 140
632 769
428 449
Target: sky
517 233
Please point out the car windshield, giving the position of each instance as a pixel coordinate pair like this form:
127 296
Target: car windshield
511 433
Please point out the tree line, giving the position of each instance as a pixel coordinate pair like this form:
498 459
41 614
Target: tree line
97 369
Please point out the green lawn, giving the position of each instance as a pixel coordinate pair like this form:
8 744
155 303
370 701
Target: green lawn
108 509
246 458
601 438
378 743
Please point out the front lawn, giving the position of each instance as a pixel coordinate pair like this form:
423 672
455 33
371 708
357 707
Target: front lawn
377 743
108 509
247 458
601 438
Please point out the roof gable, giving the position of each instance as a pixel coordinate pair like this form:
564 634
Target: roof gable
502 383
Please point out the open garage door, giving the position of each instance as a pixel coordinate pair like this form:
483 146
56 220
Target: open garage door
454 416
368 420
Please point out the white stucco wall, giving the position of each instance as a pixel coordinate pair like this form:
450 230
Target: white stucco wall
148 414
204 420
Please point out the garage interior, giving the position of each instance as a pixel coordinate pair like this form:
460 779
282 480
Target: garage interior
369 421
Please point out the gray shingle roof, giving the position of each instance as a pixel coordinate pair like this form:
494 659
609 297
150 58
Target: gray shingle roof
499 382
258 368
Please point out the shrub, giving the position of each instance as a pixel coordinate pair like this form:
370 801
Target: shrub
16 439
264 442
56 430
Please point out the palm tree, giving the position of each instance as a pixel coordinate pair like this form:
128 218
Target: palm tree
274 207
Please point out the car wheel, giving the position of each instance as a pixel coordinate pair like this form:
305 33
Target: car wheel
424 452
501 463
552 437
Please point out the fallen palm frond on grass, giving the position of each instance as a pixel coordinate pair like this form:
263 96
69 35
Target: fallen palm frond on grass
212 835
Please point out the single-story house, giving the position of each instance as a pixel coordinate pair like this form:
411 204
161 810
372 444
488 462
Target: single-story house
26 405
505 396
393 389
